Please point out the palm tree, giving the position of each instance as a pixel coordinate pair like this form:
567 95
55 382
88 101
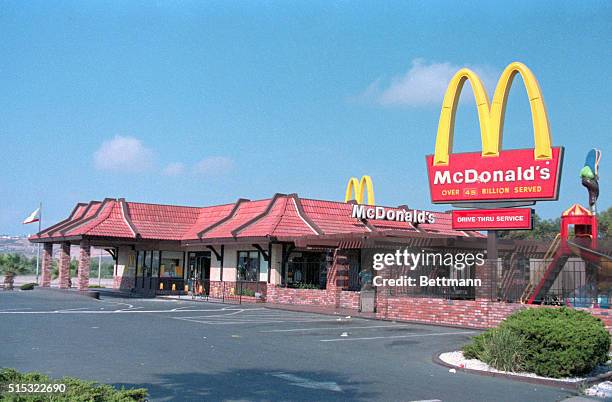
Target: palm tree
15 263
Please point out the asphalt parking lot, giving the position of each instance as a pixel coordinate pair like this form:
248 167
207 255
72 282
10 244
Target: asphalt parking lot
181 350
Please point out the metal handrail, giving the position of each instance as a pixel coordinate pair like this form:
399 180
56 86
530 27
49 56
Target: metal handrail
553 247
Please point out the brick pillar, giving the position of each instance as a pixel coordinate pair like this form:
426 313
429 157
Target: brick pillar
382 302
46 259
337 277
84 258
487 274
64 265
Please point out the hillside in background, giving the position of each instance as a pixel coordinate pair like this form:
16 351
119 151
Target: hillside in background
21 245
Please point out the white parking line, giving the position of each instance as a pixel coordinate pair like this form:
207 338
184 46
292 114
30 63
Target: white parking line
223 322
236 321
258 316
125 311
334 328
427 400
71 309
180 308
396 336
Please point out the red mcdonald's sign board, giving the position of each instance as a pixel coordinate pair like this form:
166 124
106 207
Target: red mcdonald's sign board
493 219
514 175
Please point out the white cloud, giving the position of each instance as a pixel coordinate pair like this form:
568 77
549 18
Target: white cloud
423 84
174 169
123 153
214 166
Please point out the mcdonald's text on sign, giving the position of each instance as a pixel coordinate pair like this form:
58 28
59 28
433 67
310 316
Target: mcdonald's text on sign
493 219
514 175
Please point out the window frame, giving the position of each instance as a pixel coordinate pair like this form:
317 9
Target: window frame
258 268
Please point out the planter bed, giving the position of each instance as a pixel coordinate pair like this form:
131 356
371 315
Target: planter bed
456 360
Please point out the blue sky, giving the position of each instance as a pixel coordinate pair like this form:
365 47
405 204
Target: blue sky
199 103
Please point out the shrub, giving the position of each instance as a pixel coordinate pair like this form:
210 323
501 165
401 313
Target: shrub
561 342
552 342
503 349
307 286
96 287
76 389
28 286
474 349
246 292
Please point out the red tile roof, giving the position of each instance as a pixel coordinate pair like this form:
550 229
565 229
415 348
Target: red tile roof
107 221
283 217
283 220
162 221
245 212
207 216
333 217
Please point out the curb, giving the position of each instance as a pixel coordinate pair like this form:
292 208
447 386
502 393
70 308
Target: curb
100 291
532 380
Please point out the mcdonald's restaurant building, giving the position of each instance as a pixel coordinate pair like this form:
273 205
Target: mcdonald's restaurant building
291 250
284 249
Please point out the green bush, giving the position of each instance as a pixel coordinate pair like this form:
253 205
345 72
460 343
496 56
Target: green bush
96 287
502 349
76 390
28 286
246 292
307 286
551 342
474 349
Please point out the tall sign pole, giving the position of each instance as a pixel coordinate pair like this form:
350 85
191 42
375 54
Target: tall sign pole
494 184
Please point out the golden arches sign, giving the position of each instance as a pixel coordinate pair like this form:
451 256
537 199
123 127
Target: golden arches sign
355 190
491 115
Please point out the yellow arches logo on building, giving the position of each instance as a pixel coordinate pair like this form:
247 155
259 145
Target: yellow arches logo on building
355 190
491 115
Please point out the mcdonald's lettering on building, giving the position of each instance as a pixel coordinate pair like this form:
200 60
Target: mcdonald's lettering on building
494 174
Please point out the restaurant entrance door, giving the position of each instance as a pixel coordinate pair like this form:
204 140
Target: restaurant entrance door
199 272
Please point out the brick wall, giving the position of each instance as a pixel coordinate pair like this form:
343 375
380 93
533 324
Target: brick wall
216 288
220 289
349 300
333 295
464 313
315 297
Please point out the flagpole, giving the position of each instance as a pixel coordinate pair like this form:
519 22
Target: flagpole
38 244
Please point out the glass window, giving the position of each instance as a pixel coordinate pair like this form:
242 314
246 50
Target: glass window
171 265
155 264
146 266
139 263
248 266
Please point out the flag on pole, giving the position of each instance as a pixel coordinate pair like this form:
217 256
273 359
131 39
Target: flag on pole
34 217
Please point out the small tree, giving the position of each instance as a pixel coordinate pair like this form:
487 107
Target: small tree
16 263
604 223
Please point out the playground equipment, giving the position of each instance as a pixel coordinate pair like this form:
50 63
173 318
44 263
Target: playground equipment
590 176
583 244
